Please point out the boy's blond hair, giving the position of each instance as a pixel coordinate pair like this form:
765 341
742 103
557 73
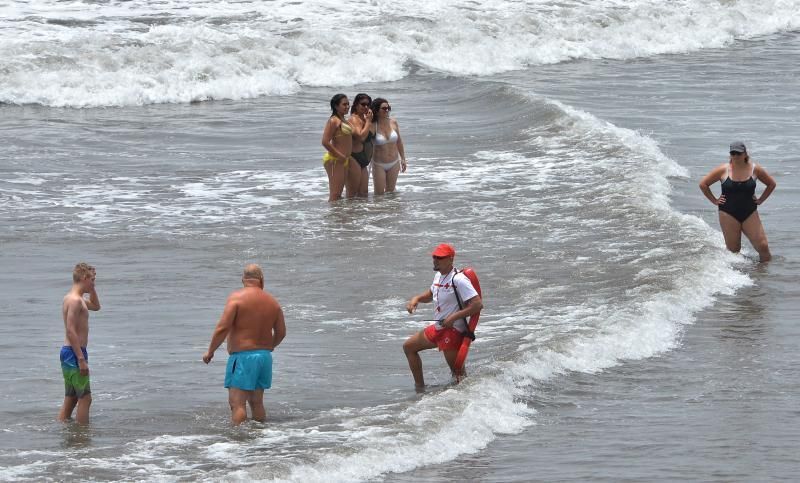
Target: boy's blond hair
82 271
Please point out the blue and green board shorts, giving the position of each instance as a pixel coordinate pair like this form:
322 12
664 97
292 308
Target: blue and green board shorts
75 385
249 370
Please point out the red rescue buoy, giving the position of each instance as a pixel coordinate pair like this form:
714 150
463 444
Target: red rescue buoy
473 322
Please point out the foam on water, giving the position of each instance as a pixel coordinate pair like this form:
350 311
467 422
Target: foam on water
157 203
483 410
477 412
85 54
591 197
587 337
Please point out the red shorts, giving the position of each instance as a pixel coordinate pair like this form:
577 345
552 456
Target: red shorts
445 339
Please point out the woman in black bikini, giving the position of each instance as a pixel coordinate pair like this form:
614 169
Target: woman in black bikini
363 134
738 204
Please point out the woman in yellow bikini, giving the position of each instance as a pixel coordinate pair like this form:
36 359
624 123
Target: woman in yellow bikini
337 139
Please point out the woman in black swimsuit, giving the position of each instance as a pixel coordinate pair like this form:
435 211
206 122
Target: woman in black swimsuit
738 204
363 134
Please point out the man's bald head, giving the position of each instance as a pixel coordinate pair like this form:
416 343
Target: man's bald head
253 272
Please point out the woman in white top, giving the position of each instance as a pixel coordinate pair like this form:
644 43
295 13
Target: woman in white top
389 157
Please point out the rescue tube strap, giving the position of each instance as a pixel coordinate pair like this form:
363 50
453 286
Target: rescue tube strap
468 332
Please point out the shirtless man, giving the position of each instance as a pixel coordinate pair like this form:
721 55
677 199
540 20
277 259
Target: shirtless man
253 323
74 358
448 332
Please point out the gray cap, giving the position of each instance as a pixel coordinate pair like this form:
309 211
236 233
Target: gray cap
738 147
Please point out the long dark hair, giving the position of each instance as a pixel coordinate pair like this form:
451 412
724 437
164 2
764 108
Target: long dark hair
335 100
376 106
357 100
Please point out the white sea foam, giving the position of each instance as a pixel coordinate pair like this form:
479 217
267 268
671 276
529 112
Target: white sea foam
465 419
160 203
132 53
482 411
644 329
587 334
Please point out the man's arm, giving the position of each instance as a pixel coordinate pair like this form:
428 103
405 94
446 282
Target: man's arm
474 305
223 327
279 331
74 309
425 297
93 303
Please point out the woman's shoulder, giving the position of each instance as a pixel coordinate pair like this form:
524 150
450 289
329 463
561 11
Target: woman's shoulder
718 171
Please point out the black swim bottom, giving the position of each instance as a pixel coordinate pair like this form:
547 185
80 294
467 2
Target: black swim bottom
362 158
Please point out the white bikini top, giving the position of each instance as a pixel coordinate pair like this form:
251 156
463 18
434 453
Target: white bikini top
380 139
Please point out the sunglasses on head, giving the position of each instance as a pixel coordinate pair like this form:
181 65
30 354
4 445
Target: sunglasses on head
438 258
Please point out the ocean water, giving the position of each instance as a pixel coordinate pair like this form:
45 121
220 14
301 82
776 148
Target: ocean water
557 145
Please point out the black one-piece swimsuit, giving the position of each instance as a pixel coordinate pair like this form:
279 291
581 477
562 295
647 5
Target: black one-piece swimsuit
361 156
739 201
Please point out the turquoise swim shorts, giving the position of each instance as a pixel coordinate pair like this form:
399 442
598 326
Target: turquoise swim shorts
249 370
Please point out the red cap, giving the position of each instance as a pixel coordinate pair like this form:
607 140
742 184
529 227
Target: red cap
444 250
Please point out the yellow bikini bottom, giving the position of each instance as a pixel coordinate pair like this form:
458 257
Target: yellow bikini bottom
330 158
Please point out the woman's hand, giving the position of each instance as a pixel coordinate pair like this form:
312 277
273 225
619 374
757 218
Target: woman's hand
757 201
720 200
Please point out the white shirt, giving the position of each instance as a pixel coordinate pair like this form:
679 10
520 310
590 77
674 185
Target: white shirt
444 299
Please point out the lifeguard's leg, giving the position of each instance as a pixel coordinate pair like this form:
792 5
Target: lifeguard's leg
412 346
450 356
